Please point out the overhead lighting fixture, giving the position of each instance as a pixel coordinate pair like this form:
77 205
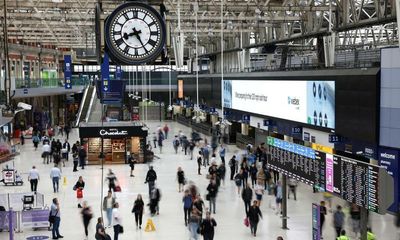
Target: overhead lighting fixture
57 1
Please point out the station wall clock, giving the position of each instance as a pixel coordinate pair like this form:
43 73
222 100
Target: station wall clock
134 34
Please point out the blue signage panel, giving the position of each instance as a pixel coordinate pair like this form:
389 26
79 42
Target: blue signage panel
246 118
297 130
67 71
316 222
118 73
389 159
105 74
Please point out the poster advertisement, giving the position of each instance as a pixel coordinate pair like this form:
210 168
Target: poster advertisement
8 176
310 102
329 172
35 218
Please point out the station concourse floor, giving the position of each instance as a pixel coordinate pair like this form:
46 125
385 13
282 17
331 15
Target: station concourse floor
170 223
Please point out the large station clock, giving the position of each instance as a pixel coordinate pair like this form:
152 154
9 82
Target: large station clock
134 34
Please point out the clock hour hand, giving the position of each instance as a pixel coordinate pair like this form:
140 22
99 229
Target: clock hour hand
126 35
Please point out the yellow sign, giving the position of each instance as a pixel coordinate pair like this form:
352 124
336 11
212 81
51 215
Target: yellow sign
150 226
322 148
65 181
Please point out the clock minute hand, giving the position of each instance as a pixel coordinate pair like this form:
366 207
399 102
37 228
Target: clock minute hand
138 37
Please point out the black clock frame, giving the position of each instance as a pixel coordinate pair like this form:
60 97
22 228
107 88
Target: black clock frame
118 58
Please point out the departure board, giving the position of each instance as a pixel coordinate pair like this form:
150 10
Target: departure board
366 185
356 182
296 161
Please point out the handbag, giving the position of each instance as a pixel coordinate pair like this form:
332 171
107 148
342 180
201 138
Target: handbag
52 218
117 188
43 155
208 197
79 193
246 222
74 188
121 229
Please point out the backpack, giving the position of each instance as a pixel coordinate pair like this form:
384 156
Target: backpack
176 143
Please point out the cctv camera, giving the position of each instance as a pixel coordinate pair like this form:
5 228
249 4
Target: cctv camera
24 106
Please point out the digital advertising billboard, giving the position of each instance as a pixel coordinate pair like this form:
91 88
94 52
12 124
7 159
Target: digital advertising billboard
309 102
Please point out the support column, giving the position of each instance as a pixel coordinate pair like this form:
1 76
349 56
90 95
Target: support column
245 129
363 223
284 203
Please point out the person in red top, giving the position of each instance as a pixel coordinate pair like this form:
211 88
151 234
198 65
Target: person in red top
166 130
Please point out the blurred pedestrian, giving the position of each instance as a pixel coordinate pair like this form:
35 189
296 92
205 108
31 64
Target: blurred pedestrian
151 178
55 217
222 152
132 162
322 213
247 196
180 176
194 224
254 217
207 227
342 236
292 187
166 131
233 166
338 220
82 157
112 179
86 217
108 204
117 221
187 206
199 162
212 189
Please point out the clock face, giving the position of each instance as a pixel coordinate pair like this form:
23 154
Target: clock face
135 33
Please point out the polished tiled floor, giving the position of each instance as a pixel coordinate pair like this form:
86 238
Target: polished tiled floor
170 223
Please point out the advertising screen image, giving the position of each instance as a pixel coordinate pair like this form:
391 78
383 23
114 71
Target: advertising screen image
310 102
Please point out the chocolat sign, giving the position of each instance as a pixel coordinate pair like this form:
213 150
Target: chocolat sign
113 132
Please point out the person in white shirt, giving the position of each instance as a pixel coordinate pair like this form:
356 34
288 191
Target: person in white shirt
116 221
259 191
55 175
33 178
46 152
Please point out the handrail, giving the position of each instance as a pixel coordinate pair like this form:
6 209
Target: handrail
90 105
81 106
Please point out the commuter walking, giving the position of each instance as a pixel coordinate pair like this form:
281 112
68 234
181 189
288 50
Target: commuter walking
176 143
100 231
355 216
112 179
199 205
35 140
117 221
151 178
82 157
207 227
185 144
194 224
279 197
199 162
108 204
138 209
66 148
247 196
55 175
166 131
212 189
206 155
221 171
86 217
233 166
338 220
254 217
75 160
187 206
222 152
33 178
180 176
46 152
78 187
253 174
259 191
155 197
132 162
191 148
160 141
55 219
155 139
238 180
322 213
292 188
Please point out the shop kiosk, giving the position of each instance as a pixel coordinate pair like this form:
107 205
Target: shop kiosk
120 139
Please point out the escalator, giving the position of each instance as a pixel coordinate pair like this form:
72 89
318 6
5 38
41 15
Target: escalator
96 113
87 101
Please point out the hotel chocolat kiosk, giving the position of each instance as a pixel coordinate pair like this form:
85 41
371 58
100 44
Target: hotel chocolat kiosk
120 139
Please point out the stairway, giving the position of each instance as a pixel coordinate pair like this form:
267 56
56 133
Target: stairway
85 106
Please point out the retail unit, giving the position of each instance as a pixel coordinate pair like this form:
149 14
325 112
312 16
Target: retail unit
120 139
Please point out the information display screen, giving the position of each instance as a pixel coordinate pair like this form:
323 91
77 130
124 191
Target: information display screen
297 161
351 180
309 102
356 182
